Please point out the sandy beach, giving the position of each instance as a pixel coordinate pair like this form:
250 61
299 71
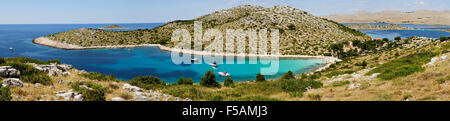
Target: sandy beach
47 42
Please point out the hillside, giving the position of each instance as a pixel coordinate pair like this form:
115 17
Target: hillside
300 33
417 17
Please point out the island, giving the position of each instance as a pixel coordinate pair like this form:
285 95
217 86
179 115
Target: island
114 27
426 17
380 27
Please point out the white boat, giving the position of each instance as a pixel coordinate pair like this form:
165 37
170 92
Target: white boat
215 68
195 60
214 64
11 49
224 74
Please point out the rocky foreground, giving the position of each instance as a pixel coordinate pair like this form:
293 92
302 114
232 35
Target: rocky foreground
61 88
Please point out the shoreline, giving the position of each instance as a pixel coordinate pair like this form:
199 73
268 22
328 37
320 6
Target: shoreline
60 45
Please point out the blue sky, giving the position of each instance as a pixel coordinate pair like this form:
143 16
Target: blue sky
149 11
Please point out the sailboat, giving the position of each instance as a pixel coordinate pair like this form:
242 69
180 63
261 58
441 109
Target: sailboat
224 74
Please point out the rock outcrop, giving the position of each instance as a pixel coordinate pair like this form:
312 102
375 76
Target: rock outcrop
53 69
12 82
69 95
8 71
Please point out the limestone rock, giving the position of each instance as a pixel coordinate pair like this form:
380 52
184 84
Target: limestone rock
12 82
8 71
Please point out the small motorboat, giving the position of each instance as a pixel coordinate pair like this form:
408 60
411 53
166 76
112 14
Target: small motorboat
224 74
215 68
195 60
214 64
11 49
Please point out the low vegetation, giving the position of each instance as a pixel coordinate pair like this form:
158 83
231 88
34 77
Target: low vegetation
90 91
209 80
404 66
147 82
99 76
5 94
187 81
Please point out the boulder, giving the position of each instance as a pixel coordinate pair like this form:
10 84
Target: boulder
78 97
66 95
12 82
131 88
117 99
60 81
65 66
139 96
8 71
65 74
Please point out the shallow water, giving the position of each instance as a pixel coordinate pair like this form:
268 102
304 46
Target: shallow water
126 64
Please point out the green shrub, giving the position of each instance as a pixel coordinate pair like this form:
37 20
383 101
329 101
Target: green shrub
97 93
363 64
297 87
288 75
209 80
5 94
442 39
187 81
30 60
315 97
229 82
441 80
2 60
341 83
398 38
147 82
37 78
260 78
99 76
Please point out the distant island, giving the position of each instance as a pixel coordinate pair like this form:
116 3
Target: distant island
446 30
426 17
380 27
113 27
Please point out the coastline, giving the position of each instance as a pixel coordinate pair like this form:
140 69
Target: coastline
60 45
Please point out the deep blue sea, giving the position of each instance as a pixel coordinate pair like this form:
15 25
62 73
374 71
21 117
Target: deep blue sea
125 64
425 31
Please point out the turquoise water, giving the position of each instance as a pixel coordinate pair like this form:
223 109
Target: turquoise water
425 31
124 64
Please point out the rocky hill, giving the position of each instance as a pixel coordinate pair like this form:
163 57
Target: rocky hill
417 17
300 33
379 27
